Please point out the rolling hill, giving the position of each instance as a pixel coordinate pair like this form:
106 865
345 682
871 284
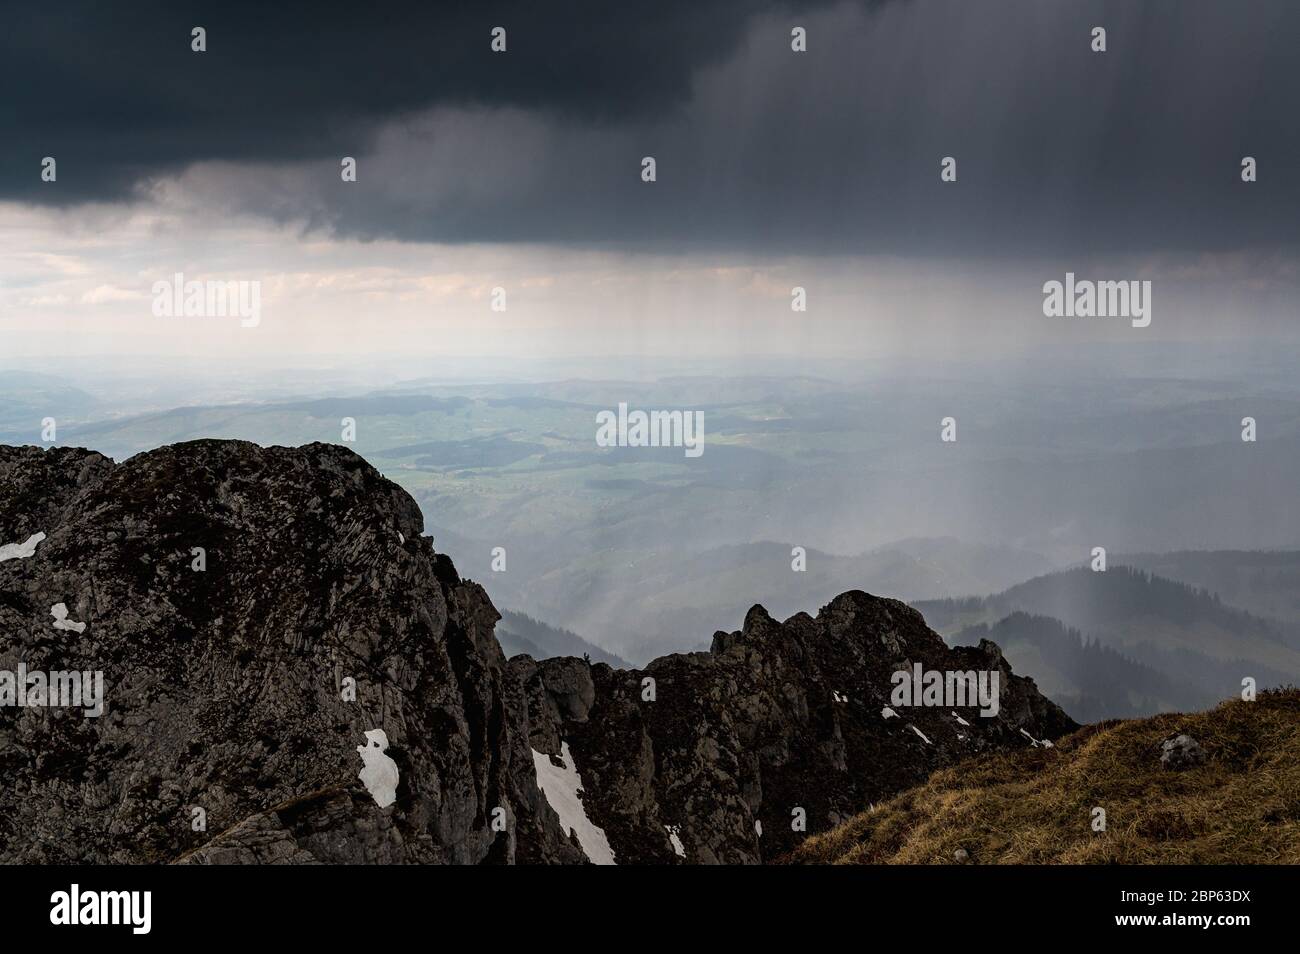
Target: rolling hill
1262 581
1171 645
1087 679
520 633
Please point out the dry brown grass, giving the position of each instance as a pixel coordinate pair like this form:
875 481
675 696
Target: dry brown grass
1035 806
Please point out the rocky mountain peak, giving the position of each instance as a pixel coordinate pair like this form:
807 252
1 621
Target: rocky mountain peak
265 620
781 730
254 612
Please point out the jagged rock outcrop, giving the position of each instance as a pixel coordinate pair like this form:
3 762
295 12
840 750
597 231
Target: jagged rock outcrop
226 688
777 718
255 612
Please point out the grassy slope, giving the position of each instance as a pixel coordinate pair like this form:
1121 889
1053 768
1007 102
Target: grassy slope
1035 806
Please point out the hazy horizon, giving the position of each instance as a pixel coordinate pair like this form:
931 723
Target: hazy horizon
837 249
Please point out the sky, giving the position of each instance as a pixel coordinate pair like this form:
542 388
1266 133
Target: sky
522 170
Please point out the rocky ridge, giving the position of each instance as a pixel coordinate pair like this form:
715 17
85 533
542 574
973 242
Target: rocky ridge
781 731
256 611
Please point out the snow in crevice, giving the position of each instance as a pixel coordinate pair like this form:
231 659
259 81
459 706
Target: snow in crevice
379 773
673 836
21 551
888 713
960 719
1037 742
920 733
60 613
561 787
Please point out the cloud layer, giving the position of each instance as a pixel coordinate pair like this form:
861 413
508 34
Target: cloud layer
1060 150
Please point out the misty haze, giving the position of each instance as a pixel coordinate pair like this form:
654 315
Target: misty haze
521 433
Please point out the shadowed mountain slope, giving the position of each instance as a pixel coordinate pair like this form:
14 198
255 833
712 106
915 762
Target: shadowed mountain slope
779 723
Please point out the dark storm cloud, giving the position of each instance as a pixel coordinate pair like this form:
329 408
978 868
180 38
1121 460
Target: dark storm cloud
835 150
114 91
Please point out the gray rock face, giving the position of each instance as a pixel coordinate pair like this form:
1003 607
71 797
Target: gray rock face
783 729
255 612
237 695
1181 752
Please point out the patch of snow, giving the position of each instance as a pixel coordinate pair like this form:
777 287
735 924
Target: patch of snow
888 713
561 787
60 613
678 847
839 696
961 720
379 775
21 551
758 827
1034 741
400 538
920 733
